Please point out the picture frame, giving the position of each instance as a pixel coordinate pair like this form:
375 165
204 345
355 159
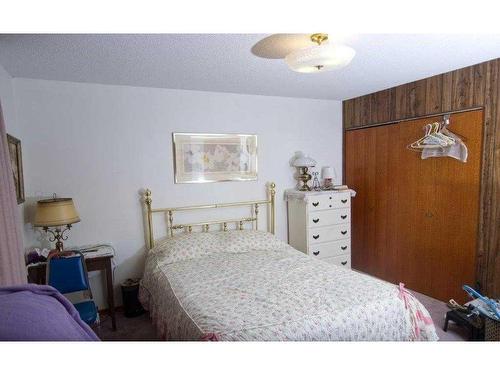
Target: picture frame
206 157
16 162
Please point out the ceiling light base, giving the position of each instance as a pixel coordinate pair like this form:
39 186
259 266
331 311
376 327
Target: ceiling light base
319 38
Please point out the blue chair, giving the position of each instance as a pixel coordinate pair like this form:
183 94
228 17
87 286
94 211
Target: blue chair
66 271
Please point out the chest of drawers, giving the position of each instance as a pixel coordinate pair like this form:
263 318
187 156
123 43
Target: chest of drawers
319 224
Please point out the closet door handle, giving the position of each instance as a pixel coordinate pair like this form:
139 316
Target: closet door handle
343 217
344 200
316 252
343 247
343 232
315 204
343 263
315 221
315 236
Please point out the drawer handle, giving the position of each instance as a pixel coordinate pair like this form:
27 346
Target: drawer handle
315 204
316 252
343 232
343 217
343 247
344 200
315 221
343 263
316 236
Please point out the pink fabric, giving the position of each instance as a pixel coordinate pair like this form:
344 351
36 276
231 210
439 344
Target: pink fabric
210 337
12 270
420 319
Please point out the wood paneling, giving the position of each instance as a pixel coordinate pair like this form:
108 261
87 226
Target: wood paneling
415 220
476 86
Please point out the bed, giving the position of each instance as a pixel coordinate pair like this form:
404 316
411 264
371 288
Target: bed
247 285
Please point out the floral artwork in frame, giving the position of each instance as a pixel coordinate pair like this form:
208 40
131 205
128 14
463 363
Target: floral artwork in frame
214 157
16 162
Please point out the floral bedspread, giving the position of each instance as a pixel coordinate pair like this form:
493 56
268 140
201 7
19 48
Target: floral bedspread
248 285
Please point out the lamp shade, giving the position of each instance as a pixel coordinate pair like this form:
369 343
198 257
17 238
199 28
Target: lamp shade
320 58
328 172
55 212
304 161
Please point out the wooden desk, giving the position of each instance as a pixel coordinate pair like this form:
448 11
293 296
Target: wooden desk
37 275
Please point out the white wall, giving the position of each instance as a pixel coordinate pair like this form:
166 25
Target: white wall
102 144
9 113
7 99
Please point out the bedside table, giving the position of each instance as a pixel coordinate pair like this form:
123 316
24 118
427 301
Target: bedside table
37 275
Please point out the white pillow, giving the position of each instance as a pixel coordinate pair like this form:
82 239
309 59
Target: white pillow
251 240
193 245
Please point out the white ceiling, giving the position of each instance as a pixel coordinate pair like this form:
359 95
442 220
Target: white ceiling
233 62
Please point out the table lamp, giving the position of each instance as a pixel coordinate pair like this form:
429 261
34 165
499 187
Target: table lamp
328 176
303 163
55 213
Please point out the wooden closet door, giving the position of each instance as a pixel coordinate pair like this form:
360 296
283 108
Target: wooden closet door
415 220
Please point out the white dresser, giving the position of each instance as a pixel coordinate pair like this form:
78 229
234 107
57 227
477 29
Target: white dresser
319 224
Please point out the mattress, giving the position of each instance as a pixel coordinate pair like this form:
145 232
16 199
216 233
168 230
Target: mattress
250 286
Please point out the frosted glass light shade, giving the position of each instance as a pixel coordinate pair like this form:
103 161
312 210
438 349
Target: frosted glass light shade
304 161
320 58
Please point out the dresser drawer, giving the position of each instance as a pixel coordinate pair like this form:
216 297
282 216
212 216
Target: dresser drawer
341 260
329 217
330 249
330 233
326 201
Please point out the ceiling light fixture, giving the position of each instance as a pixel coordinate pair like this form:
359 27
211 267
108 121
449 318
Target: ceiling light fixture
319 58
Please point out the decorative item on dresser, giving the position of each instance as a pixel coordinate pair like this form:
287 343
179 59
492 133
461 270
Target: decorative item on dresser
303 162
319 224
328 176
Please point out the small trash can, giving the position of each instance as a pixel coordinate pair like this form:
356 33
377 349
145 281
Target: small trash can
130 295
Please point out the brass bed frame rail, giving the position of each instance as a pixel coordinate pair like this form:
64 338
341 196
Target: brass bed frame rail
205 225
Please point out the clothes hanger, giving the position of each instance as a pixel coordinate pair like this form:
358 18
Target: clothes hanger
438 132
434 137
429 140
449 133
417 143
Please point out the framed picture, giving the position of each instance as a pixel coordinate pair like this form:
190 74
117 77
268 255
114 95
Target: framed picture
16 162
214 157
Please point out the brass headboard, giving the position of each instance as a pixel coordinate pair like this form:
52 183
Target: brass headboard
171 227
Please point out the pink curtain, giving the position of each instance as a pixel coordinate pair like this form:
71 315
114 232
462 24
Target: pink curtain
12 270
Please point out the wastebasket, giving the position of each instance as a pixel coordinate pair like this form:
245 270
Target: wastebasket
130 295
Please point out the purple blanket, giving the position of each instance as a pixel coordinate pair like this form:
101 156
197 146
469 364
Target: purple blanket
33 312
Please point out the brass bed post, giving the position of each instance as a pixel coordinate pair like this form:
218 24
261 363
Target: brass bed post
148 201
272 192
256 210
171 223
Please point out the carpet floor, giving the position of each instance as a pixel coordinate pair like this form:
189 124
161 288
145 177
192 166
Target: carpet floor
141 329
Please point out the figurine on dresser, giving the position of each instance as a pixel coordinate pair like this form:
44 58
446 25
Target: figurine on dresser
319 223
